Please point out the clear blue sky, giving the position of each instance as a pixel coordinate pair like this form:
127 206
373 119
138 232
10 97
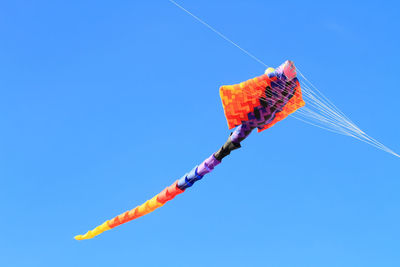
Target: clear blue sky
104 103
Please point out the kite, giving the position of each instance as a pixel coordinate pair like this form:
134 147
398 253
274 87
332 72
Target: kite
257 103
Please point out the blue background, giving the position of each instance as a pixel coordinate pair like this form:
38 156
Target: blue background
104 103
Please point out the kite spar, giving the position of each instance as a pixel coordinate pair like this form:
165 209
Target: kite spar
257 103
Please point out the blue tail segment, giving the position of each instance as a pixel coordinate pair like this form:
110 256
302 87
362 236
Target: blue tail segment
189 179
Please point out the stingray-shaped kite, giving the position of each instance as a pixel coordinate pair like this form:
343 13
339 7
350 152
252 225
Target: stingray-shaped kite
257 103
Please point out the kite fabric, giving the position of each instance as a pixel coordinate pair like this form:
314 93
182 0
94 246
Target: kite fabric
257 103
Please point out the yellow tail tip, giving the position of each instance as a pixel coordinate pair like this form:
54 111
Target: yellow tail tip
78 237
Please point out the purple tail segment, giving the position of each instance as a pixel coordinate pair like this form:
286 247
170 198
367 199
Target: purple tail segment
210 163
241 132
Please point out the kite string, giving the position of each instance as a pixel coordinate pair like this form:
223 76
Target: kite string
353 127
333 118
219 33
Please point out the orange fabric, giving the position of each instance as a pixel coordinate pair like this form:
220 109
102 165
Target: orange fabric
150 205
240 99
169 193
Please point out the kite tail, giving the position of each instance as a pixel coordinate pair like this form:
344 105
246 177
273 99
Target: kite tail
176 188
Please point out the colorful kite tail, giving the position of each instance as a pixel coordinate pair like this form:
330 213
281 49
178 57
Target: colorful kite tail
176 188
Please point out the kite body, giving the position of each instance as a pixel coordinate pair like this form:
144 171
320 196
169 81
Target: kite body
263 101
257 103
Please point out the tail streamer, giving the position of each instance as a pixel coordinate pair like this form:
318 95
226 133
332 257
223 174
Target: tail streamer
173 190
